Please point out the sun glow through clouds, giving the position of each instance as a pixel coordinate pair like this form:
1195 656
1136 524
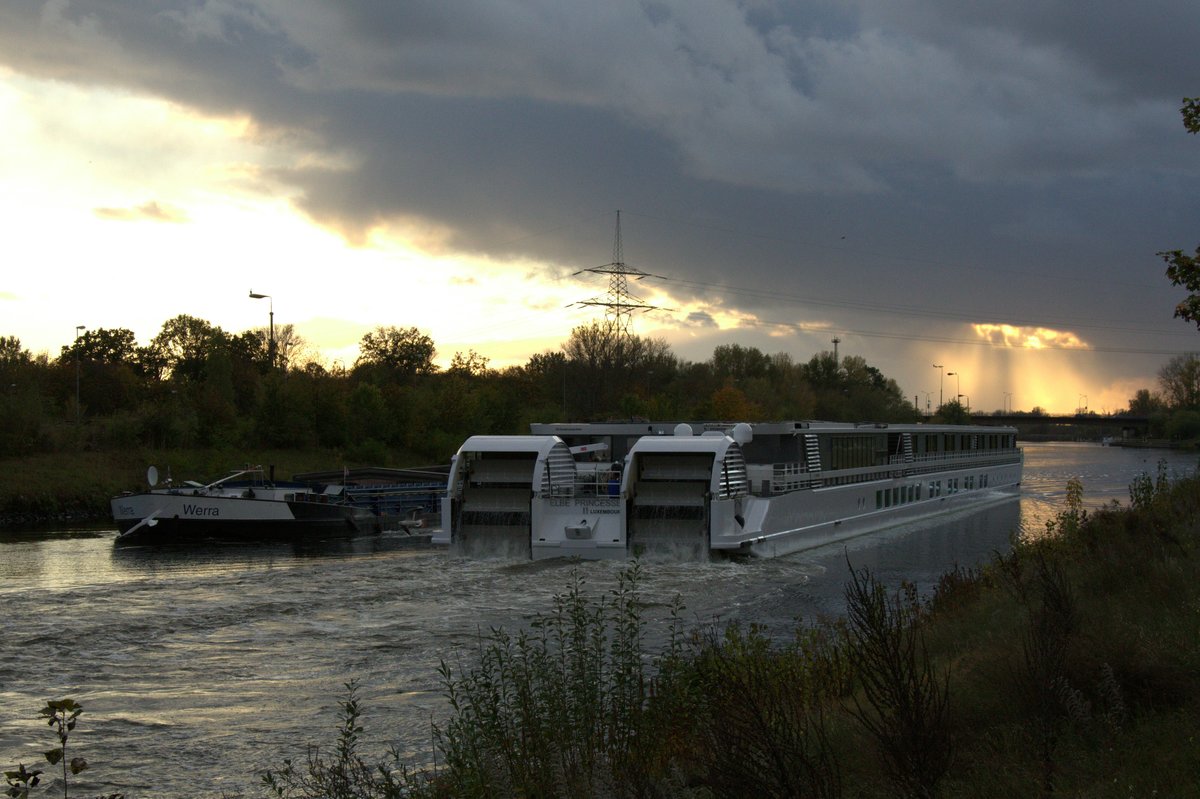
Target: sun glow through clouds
1033 338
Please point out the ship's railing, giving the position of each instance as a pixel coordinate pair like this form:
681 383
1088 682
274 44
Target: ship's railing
590 483
792 476
940 460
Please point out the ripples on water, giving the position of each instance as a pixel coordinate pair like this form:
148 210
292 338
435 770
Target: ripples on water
199 669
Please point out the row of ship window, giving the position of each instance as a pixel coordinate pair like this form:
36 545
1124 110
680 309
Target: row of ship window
915 492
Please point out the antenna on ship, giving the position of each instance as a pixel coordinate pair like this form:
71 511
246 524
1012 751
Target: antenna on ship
619 304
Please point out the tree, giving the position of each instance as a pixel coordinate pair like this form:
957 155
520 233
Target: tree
110 369
1180 382
102 346
1184 270
181 348
290 346
399 353
730 404
22 410
471 364
739 363
1191 114
822 372
12 354
1144 403
952 412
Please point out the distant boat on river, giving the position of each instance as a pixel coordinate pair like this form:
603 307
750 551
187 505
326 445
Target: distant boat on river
244 505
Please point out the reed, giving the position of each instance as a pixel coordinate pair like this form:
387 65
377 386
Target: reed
560 710
902 701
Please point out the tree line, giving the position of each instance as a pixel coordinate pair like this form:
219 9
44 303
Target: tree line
197 385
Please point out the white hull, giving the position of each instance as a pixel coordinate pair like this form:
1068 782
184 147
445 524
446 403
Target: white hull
224 512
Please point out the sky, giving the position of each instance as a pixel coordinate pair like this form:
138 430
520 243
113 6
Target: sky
969 196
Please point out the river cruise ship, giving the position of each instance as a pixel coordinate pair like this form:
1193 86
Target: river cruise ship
618 490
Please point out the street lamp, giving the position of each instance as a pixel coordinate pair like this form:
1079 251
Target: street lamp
78 329
271 340
960 396
957 382
1007 401
938 366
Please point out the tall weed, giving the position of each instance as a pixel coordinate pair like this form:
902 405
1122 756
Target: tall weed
763 725
557 711
905 704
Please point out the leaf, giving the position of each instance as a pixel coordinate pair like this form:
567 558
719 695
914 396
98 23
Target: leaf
53 756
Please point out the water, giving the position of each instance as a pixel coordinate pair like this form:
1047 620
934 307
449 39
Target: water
197 670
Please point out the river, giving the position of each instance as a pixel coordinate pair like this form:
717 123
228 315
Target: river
198 670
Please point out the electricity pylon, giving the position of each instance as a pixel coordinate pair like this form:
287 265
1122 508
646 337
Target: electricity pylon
619 304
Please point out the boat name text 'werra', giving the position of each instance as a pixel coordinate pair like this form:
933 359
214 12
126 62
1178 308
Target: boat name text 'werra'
197 510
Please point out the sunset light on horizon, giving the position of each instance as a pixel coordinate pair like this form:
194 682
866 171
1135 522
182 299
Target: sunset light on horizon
171 163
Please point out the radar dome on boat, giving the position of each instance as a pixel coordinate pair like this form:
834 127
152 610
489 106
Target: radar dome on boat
742 433
683 429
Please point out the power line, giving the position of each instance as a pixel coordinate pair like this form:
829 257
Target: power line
902 310
799 326
889 255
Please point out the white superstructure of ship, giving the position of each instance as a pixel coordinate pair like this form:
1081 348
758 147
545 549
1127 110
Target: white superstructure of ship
624 489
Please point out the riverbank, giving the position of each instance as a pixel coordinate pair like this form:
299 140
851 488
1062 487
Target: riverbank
1156 443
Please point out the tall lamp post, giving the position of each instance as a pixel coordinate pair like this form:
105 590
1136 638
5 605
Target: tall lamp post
938 366
78 329
271 339
957 383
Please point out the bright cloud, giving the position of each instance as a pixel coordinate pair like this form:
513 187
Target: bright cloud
1033 338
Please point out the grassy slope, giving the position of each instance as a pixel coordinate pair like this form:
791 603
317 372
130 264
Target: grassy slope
1121 713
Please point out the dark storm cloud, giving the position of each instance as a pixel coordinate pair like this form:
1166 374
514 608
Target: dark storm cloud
901 162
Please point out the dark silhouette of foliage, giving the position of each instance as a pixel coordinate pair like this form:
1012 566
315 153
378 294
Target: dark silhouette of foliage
1184 270
396 354
906 702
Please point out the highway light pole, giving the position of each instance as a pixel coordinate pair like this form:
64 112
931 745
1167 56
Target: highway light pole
957 383
271 339
78 329
938 366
